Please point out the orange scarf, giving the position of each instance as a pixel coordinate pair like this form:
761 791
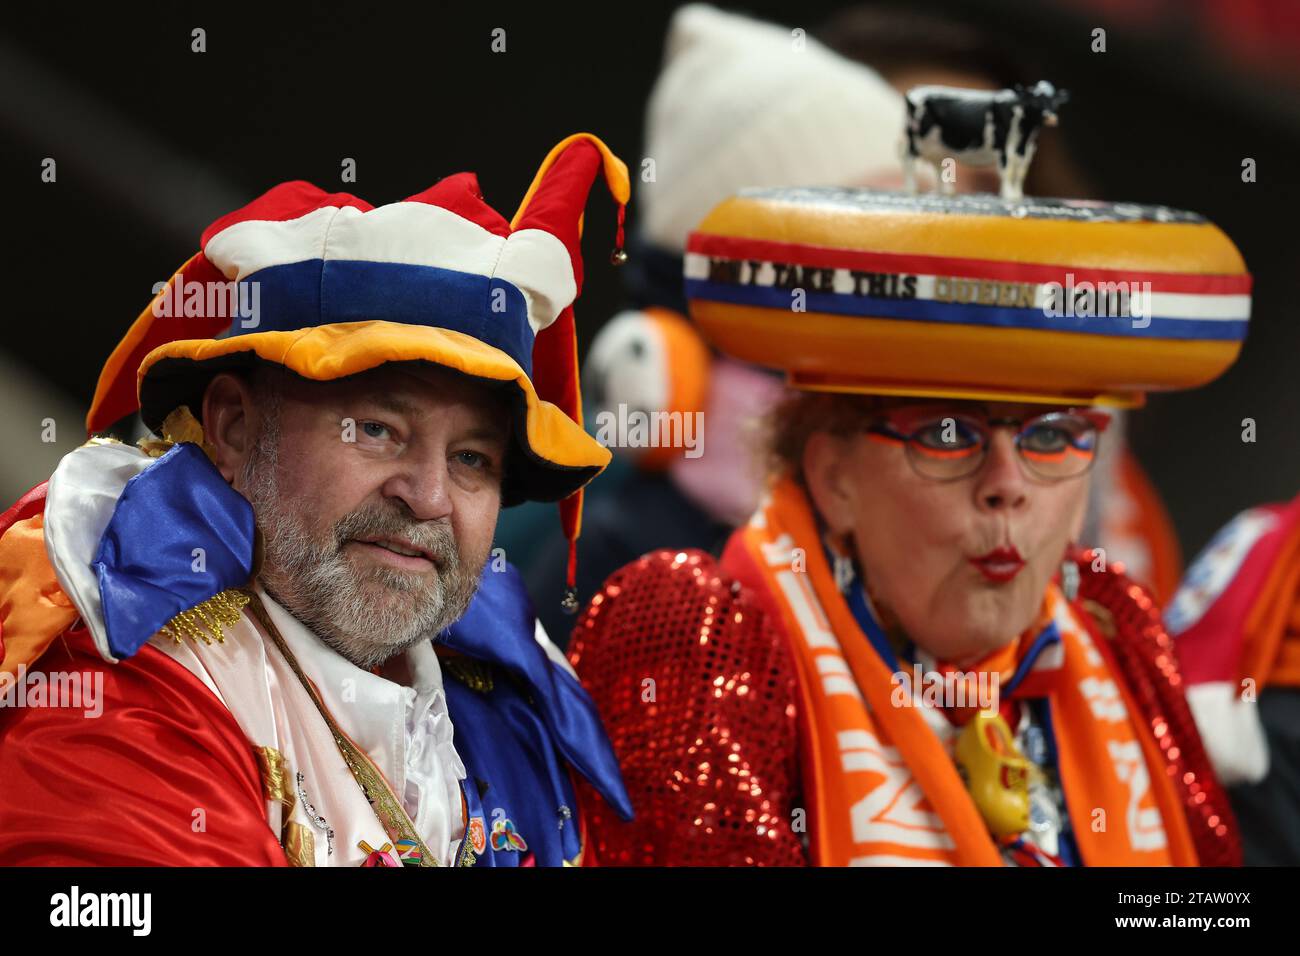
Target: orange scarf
881 785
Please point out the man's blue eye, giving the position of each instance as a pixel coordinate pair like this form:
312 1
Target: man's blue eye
374 429
472 458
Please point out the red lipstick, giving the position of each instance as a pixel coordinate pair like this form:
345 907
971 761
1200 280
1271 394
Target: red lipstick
999 565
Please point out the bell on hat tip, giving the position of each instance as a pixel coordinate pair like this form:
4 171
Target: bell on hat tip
618 257
569 603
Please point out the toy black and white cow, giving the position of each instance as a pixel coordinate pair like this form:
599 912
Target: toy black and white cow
978 128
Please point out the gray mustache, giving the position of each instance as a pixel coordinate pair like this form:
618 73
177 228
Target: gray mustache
436 537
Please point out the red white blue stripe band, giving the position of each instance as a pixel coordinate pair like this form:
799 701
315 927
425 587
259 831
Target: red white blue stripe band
968 291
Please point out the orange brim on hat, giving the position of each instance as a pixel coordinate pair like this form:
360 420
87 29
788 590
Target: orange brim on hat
554 455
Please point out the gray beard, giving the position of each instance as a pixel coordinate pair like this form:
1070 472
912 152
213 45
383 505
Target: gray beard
367 615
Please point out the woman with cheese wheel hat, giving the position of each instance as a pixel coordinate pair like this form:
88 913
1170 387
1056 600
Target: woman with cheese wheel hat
902 659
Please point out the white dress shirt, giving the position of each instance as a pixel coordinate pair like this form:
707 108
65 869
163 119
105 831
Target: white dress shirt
399 720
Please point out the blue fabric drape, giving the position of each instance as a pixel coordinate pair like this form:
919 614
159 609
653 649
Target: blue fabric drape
516 738
179 534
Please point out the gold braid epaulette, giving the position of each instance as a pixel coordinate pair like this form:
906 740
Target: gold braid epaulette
180 425
474 674
209 620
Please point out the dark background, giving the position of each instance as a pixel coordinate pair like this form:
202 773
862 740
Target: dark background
154 141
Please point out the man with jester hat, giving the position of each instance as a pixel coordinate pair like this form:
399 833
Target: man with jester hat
304 653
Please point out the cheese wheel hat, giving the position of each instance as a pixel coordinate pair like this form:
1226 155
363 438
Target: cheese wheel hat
969 296
341 287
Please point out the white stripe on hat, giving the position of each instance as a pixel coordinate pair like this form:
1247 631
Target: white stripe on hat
413 233
537 263
409 233
245 247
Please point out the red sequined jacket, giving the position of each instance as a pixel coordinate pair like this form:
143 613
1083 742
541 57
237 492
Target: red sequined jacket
707 732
